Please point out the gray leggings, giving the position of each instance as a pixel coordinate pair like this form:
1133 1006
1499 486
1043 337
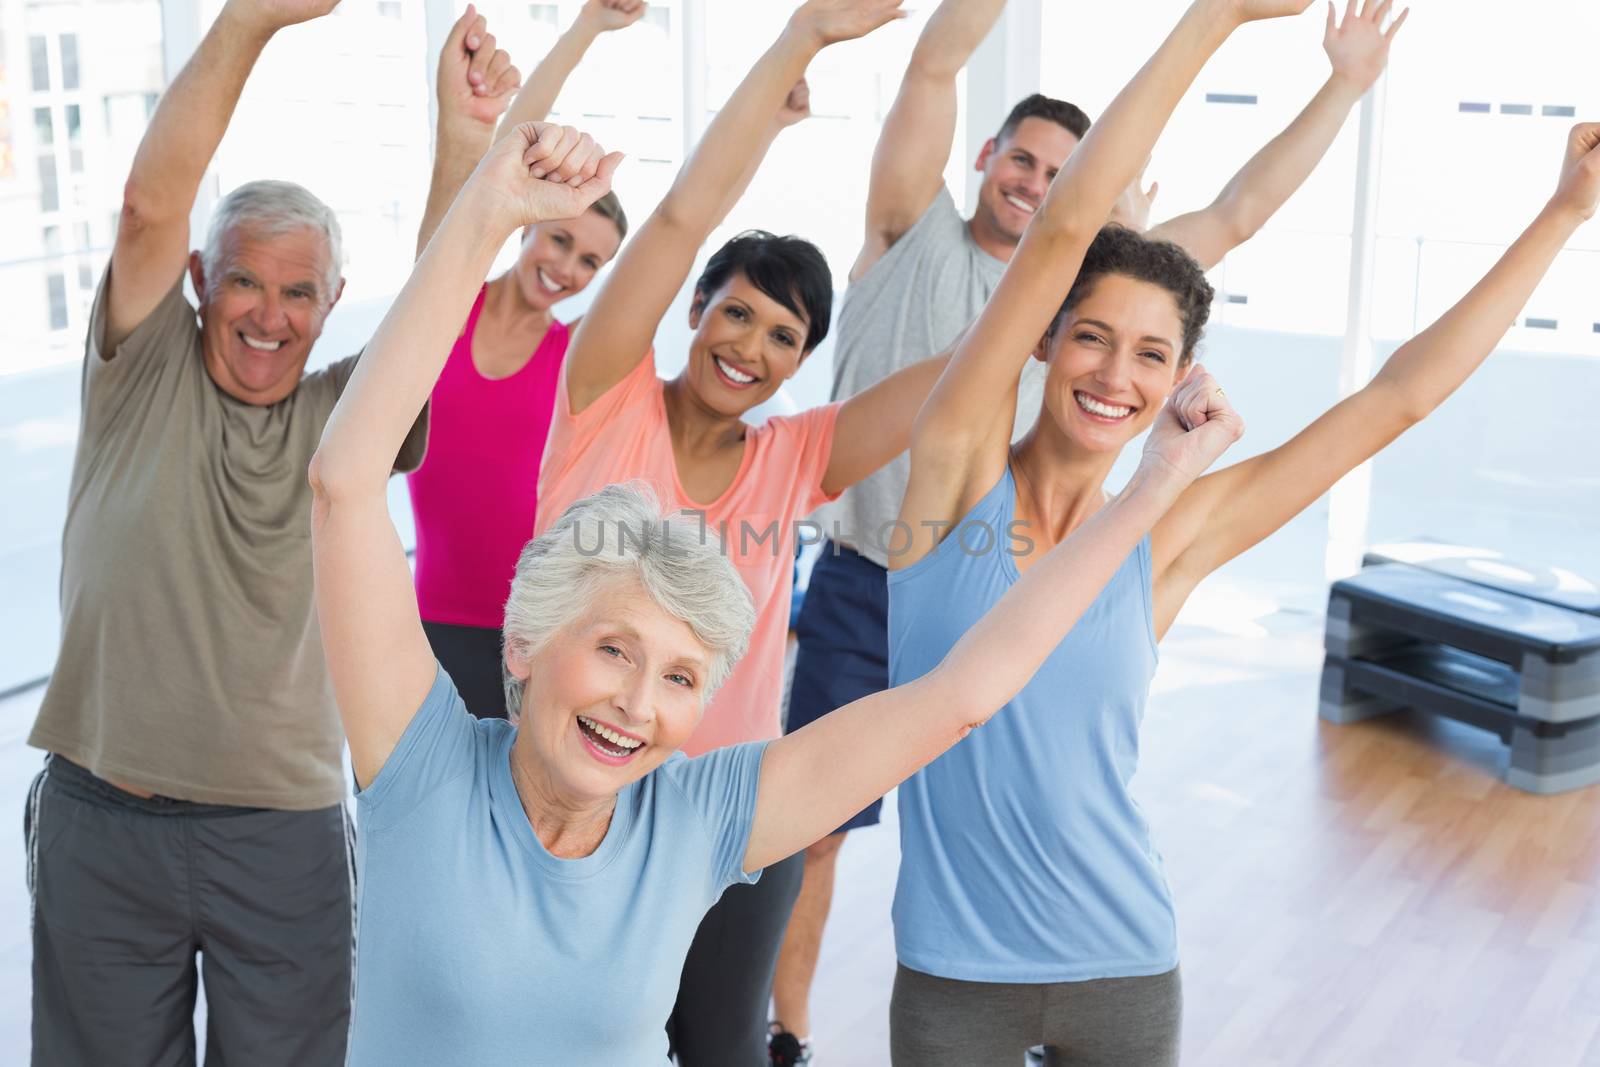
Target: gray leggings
1109 1022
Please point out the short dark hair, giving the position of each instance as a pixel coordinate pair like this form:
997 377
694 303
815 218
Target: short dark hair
1119 250
789 269
1038 106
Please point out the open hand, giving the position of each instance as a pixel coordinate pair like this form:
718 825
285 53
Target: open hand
1132 208
614 14
1195 427
1358 47
796 106
1579 187
832 21
476 80
1253 10
541 171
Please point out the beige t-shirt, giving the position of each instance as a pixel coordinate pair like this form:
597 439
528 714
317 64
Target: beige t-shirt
191 663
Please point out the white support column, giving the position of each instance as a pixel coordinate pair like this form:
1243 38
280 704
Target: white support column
692 43
1005 68
1349 503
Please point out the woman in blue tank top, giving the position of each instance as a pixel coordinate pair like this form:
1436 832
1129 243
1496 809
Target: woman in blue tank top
1031 906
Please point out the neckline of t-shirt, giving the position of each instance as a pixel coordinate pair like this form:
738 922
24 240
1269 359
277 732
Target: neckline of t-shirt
555 330
680 495
508 806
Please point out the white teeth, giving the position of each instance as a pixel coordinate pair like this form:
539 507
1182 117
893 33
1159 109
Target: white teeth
627 743
544 280
261 346
1094 407
1021 205
733 372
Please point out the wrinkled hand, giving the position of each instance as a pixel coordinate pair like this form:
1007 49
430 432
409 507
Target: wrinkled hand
1195 427
1579 187
541 171
1358 48
796 106
831 21
1132 208
476 80
610 15
276 14
1254 10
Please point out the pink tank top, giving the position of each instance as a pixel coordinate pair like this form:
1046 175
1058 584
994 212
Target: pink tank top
476 494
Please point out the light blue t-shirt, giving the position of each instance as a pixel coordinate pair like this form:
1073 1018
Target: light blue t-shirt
477 946
1024 858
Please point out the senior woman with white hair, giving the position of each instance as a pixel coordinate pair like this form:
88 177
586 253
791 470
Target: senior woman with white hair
560 864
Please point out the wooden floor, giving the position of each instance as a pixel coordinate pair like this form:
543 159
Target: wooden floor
1361 895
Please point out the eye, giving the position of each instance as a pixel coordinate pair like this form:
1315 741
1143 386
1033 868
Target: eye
736 313
591 263
300 294
679 678
1150 353
561 239
784 338
244 283
1088 338
611 650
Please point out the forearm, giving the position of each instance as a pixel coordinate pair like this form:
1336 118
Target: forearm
457 149
1432 365
399 367
762 146
192 117
544 85
952 34
726 154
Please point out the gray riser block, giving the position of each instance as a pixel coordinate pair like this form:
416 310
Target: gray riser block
1341 705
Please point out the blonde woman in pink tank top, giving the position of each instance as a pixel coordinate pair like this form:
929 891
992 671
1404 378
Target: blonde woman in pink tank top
475 498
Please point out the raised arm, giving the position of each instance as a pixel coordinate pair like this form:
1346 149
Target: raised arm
621 324
914 145
814 779
1225 513
474 86
960 440
152 242
1358 48
378 655
596 17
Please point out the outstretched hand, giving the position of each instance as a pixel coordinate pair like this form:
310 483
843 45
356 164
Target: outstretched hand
476 79
1133 207
1195 427
276 14
1579 187
1358 47
614 14
832 21
541 171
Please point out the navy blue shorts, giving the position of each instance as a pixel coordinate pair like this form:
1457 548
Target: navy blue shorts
843 632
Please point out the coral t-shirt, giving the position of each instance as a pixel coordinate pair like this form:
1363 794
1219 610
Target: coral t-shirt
475 496
624 436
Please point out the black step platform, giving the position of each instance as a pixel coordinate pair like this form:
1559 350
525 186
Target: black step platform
1482 566
1404 635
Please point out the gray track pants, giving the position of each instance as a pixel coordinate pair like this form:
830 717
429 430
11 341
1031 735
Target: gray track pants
1110 1022
128 891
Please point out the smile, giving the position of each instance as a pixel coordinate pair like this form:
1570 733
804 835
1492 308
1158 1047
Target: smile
259 345
546 283
1100 409
609 745
731 373
1020 204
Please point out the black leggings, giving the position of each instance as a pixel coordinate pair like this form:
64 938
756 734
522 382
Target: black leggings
721 1014
471 656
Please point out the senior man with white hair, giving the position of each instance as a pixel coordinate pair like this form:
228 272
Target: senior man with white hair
192 801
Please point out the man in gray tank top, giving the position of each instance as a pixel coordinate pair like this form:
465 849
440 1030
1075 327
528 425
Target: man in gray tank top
923 274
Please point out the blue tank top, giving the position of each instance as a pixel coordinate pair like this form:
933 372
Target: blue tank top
1024 857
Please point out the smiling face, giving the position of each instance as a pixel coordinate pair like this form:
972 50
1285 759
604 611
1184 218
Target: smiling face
745 346
610 697
264 309
1113 359
560 258
1017 173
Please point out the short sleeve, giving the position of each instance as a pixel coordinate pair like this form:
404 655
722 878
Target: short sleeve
169 333
337 375
436 748
810 435
940 226
721 788
572 434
